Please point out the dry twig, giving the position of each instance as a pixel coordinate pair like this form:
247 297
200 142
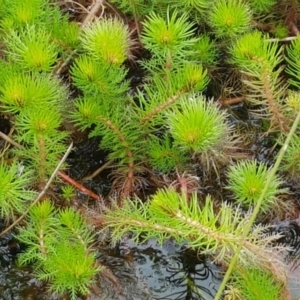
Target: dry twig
41 194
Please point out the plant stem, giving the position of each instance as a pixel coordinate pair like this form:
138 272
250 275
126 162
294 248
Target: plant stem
61 174
98 171
257 207
41 162
91 14
79 186
41 194
9 140
162 106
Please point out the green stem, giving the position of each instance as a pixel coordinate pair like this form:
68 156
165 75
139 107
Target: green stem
257 208
41 194
41 162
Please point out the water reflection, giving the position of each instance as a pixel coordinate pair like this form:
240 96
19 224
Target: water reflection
291 237
139 272
176 273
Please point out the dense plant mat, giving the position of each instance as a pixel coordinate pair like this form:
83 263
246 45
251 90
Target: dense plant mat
193 110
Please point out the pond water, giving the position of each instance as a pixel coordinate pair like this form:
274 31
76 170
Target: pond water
148 271
134 272
139 272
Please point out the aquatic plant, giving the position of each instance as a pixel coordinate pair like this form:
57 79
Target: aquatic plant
259 62
229 18
18 15
253 283
104 87
171 215
107 40
31 49
35 101
168 37
247 180
59 244
15 193
56 70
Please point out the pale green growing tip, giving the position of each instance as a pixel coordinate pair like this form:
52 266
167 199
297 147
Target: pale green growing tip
173 33
249 50
107 40
230 18
197 125
247 180
32 49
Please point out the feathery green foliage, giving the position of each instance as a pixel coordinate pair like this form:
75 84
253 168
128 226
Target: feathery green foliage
58 242
120 135
36 122
69 269
39 234
68 192
291 162
189 6
205 51
255 284
18 14
15 193
168 37
169 215
293 102
293 59
259 62
164 93
262 6
45 143
36 101
149 130
107 40
251 51
31 49
230 18
197 125
137 8
164 156
247 180
22 90
38 27
98 78
64 33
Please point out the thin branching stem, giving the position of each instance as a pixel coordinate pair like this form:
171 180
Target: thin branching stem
275 112
61 174
256 210
41 194
94 10
79 186
129 183
149 116
9 140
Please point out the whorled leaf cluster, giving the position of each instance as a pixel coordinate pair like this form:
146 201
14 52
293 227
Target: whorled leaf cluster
165 124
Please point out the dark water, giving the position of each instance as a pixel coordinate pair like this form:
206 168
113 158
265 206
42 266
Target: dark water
144 272
148 271
140 272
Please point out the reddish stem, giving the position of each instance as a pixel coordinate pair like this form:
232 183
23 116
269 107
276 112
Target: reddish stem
79 186
229 101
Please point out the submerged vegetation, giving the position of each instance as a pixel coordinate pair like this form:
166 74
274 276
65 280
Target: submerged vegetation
66 70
